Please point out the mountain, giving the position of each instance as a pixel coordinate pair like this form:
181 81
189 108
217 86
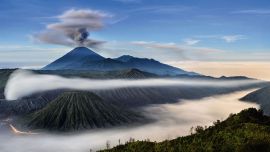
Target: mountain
135 74
247 131
80 110
261 97
27 105
74 59
82 58
4 76
152 66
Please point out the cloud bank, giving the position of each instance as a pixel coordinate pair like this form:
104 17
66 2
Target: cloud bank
22 83
173 120
73 27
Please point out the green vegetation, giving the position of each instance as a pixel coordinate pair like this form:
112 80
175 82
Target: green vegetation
247 131
80 110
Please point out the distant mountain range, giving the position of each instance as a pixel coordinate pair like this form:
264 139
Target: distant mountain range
82 58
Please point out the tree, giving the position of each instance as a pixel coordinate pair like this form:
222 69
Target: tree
191 130
119 141
108 145
216 122
199 129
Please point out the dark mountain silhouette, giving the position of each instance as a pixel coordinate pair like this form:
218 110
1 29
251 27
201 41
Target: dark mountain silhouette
261 97
82 58
80 110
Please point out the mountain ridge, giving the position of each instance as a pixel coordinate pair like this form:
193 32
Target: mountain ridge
82 58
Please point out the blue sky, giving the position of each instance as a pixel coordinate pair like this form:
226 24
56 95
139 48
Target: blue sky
170 31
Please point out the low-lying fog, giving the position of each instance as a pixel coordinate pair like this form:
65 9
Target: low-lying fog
22 83
173 120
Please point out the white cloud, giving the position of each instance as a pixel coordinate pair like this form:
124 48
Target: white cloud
226 38
175 47
162 9
233 38
191 41
156 45
128 1
173 51
253 12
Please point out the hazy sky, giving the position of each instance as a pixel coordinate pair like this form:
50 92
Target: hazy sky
253 69
170 31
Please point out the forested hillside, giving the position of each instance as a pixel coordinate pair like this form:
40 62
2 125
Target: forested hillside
247 131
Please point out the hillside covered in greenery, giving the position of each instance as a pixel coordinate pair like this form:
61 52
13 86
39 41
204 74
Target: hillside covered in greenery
247 131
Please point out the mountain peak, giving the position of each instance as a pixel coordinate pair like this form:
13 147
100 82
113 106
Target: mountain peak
76 110
83 51
74 58
124 58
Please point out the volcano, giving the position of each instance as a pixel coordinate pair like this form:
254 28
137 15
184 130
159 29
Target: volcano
74 59
77 110
82 58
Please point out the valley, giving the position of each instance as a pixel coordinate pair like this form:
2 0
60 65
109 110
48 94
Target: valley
172 120
134 76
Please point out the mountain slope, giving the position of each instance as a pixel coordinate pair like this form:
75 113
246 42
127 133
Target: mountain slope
73 59
27 105
4 76
80 110
152 66
261 97
135 74
107 64
247 131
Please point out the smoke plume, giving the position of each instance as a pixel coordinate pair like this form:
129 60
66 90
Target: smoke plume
73 28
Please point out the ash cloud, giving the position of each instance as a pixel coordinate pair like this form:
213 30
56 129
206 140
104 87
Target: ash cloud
73 28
